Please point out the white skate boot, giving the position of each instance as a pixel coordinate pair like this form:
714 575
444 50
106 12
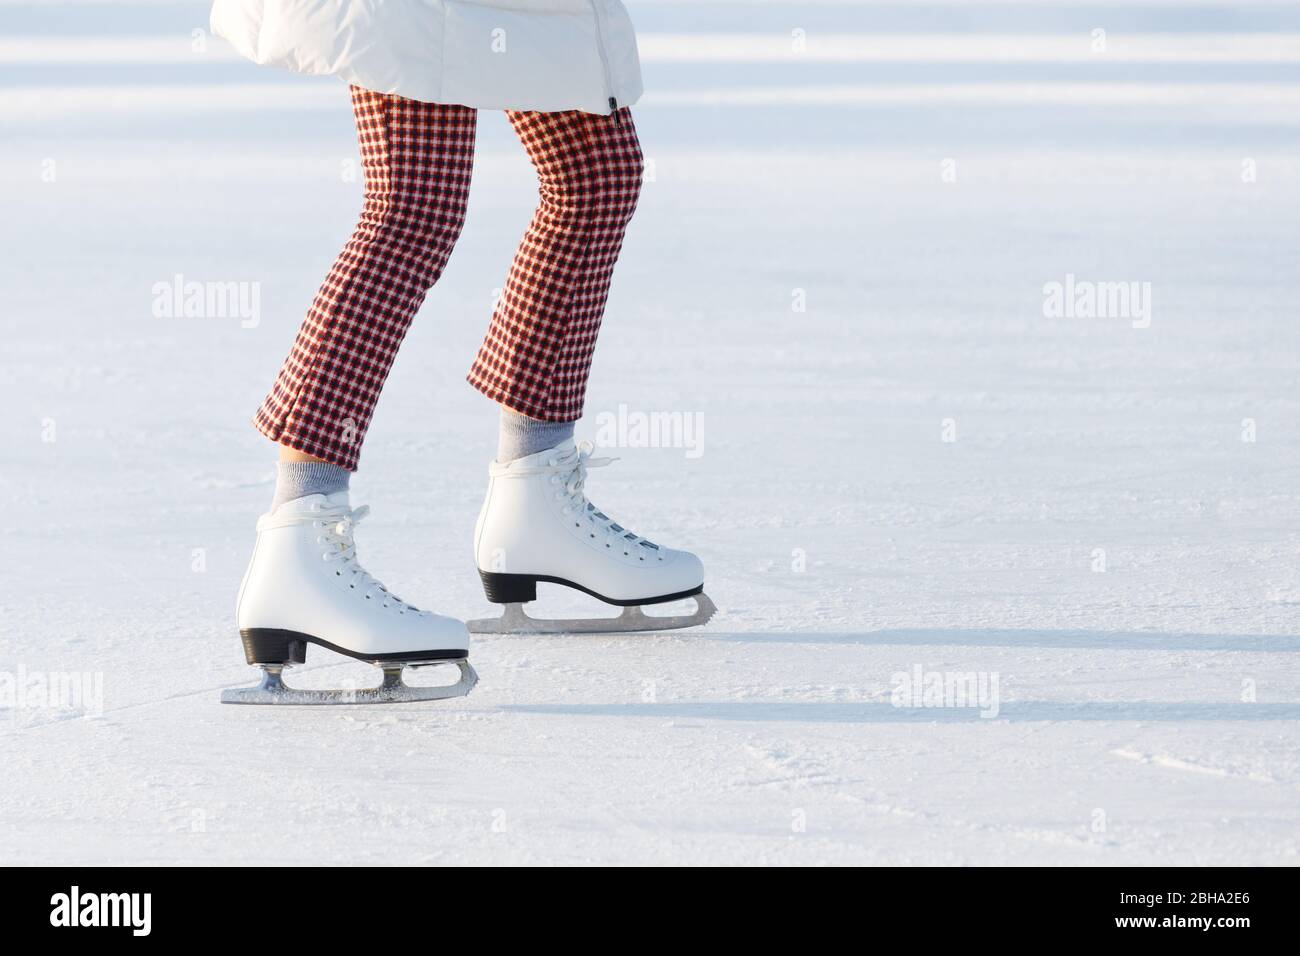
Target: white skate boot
537 525
304 586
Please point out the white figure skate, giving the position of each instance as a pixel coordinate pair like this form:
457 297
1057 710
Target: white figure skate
537 525
304 586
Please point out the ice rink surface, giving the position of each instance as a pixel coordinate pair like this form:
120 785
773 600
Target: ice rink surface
901 460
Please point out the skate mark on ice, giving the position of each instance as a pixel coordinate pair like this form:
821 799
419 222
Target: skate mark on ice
8 716
792 771
885 713
1191 766
975 637
64 717
1070 837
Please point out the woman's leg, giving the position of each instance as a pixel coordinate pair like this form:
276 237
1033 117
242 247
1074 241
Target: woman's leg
537 354
537 523
417 158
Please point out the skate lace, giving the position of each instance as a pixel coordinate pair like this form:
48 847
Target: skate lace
336 527
570 472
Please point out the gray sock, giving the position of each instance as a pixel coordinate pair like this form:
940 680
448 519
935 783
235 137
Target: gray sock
522 436
294 479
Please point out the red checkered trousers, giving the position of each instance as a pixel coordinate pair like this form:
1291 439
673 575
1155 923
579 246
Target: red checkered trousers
536 358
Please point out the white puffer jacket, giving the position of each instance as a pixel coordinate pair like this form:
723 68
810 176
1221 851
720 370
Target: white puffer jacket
547 55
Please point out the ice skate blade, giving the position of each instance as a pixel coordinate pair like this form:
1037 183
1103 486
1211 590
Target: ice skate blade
515 620
393 690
